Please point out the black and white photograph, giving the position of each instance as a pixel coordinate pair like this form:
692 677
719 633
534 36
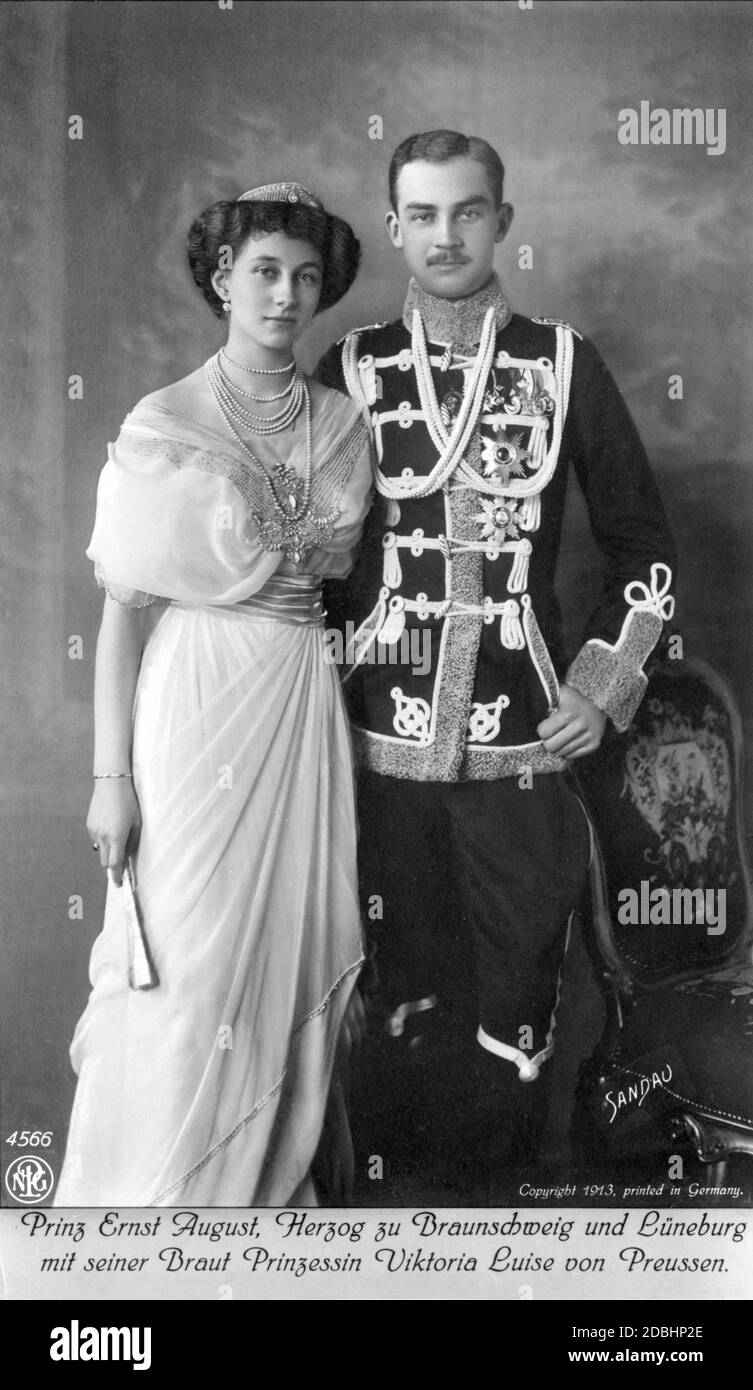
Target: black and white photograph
376 802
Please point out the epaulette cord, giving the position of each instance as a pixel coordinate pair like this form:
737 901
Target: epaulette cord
365 329
556 323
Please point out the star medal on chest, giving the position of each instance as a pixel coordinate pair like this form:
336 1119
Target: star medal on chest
504 456
500 521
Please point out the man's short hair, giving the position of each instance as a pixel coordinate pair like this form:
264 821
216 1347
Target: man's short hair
439 146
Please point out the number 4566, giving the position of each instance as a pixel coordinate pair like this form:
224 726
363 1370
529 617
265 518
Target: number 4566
30 1138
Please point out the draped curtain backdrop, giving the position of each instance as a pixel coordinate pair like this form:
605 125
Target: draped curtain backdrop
645 248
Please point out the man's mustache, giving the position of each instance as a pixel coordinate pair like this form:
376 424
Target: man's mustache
448 260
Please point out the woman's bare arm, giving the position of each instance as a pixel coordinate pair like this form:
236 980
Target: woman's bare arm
114 819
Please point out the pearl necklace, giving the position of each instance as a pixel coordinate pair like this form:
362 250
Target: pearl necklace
258 371
251 396
296 527
246 419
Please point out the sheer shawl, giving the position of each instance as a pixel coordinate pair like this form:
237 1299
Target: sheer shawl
176 504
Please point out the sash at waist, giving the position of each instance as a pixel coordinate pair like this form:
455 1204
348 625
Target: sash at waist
288 598
295 599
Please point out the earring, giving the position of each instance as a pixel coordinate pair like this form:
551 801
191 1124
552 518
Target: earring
226 307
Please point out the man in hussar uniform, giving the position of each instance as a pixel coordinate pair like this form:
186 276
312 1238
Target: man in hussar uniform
474 847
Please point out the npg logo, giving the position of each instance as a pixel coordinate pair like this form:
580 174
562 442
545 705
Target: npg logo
29 1179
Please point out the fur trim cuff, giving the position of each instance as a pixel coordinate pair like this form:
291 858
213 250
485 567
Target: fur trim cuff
612 677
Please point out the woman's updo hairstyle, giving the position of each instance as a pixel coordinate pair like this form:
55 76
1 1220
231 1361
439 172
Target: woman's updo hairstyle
287 208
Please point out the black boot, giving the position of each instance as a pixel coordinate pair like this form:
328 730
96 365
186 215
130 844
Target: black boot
514 1114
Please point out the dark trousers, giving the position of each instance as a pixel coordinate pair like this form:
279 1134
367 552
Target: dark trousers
467 891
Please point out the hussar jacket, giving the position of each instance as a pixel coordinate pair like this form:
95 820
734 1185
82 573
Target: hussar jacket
477 417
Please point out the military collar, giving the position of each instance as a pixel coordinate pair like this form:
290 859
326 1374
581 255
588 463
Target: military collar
456 321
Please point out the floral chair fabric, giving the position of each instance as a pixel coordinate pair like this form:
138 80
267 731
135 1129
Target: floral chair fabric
671 918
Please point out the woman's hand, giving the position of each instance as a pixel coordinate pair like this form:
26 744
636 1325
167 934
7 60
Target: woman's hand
576 727
114 823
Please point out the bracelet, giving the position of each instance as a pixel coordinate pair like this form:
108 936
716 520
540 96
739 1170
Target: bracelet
100 776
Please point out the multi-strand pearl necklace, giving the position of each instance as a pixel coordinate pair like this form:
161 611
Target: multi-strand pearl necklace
223 389
268 371
290 495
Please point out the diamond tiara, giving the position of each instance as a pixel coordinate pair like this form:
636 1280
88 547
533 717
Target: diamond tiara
281 193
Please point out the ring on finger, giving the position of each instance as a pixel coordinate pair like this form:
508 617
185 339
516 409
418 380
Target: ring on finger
95 848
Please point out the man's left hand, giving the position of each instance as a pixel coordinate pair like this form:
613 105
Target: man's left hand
576 727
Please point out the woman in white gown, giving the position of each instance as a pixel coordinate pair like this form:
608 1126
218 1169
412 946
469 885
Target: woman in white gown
222 756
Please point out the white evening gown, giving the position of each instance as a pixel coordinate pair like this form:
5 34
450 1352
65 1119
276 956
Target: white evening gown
210 1089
